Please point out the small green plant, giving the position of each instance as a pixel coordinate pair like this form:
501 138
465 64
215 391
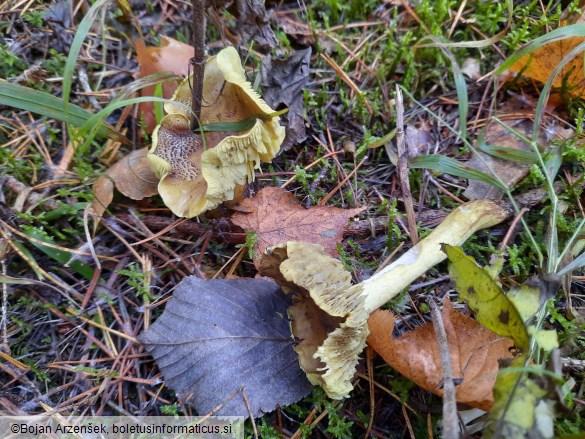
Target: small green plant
251 241
398 304
516 258
22 168
96 372
55 62
170 409
401 387
39 374
138 280
10 64
34 18
394 235
338 426
302 178
346 258
265 430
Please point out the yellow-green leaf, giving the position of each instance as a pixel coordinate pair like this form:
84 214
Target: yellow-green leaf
520 408
546 339
528 299
485 297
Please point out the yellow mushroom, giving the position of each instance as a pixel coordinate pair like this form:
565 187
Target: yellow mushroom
198 171
329 315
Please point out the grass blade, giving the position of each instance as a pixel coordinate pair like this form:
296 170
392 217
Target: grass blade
82 31
448 165
61 256
544 95
98 118
512 154
158 106
47 105
461 88
577 263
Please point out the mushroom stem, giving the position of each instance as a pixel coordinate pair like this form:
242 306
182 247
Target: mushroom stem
457 227
330 315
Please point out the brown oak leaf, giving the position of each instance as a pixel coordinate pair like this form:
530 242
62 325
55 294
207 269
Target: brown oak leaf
276 216
474 352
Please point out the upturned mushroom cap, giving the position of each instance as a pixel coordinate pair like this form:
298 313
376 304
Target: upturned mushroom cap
329 314
199 171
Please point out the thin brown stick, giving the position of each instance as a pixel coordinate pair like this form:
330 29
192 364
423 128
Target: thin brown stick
309 166
450 421
249 407
297 434
370 363
511 229
345 78
386 390
408 423
403 168
429 426
342 182
198 61
33 198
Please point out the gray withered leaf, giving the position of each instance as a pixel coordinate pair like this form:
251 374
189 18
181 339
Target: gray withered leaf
283 82
252 21
216 336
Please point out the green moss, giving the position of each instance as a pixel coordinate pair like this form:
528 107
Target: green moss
10 64
34 18
251 241
24 168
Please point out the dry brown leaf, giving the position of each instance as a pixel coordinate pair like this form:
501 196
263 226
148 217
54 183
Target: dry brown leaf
293 27
132 176
474 352
276 216
419 139
510 172
540 64
172 56
103 190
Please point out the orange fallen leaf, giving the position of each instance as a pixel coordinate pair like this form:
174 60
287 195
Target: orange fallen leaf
474 352
276 216
540 64
172 56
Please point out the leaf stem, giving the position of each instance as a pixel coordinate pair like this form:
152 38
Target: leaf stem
198 61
